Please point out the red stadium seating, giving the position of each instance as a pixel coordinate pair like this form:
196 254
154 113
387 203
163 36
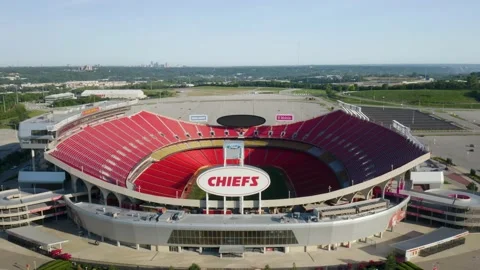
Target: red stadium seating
169 176
110 150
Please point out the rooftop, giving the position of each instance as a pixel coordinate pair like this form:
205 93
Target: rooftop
444 196
180 217
438 235
32 234
57 115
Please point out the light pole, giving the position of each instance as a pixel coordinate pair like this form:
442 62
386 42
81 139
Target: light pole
383 103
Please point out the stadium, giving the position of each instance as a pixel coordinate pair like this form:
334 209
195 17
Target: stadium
231 176
223 175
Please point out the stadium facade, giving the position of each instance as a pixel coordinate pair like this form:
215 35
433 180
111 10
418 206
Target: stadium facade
116 163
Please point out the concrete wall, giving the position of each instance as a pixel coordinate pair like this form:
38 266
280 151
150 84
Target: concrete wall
307 234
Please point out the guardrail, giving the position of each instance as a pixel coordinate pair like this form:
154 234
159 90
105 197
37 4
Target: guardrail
353 110
405 131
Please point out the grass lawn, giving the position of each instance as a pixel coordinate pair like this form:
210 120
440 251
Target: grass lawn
35 113
313 92
57 265
431 98
278 188
346 99
5 123
222 90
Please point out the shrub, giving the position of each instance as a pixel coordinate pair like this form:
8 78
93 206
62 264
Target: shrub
194 266
473 172
449 161
391 262
412 265
406 266
472 186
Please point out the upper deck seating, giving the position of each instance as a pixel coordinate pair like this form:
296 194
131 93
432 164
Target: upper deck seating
110 150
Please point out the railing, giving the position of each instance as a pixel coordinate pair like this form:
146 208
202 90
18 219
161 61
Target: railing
353 110
406 132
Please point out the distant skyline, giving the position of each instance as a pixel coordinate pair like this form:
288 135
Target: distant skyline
238 33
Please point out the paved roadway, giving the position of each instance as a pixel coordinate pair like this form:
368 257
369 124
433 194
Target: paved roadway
375 249
80 247
13 257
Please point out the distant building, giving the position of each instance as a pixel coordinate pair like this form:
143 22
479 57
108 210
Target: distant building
115 94
86 68
52 98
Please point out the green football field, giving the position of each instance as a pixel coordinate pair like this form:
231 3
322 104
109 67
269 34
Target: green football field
278 188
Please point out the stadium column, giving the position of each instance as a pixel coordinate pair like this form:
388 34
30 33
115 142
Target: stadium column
120 198
241 205
105 195
33 159
74 184
206 202
89 191
224 205
260 203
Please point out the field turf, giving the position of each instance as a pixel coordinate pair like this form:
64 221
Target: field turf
278 188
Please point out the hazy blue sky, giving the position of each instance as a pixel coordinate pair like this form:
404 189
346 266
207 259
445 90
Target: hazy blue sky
245 32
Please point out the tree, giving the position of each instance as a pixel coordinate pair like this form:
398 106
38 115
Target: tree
391 262
472 186
351 88
449 161
194 266
472 81
330 93
267 267
328 87
473 172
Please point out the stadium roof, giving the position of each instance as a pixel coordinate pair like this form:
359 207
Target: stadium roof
432 238
34 235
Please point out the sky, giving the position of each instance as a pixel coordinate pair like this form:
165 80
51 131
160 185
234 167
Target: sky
231 33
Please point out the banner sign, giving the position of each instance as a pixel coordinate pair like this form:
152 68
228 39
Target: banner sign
284 117
198 118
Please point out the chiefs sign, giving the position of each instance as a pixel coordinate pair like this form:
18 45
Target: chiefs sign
233 181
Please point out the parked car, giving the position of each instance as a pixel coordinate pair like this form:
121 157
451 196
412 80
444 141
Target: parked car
55 253
65 256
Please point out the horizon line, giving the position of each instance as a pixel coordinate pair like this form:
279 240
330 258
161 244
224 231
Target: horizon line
239 66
